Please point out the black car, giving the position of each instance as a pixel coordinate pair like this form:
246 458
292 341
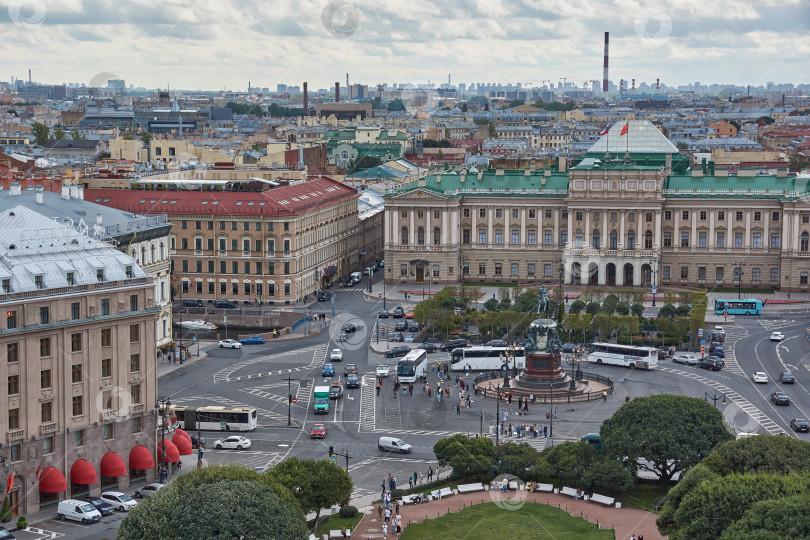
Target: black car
399 350
352 381
188 302
568 348
401 326
224 304
787 377
429 347
800 424
324 296
496 343
349 328
413 326
382 314
197 441
780 398
453 344
711 363
104 508
398 312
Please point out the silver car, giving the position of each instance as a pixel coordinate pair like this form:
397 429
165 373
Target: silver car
410 338
147 490
687 359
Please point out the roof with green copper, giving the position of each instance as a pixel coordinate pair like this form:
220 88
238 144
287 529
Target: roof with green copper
513 183
737 187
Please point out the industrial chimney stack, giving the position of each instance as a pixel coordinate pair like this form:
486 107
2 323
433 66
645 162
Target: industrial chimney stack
337 92
605 68
633 90
306 100
657 85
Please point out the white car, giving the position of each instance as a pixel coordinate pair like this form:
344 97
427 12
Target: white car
777 336
147 490
230 343
119 501
382 370
687 359
336 355
760 377
719 330
234 441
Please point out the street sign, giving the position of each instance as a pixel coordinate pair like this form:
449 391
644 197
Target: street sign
700 331
379 295
333 458
703 342
225 318
223 426
382 329
194 339
295 400
703 350
654 289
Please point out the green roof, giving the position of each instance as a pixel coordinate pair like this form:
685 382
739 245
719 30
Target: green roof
736 187
511 184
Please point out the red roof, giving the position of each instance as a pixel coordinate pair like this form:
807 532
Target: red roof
285 200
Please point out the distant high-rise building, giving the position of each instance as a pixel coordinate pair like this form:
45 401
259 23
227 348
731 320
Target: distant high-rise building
281 88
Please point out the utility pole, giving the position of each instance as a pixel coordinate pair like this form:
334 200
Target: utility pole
302 384
497 417
334 455
739 267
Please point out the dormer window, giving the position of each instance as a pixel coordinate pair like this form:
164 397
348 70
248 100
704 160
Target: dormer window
39 283
129 271
6 285
100 274
71 278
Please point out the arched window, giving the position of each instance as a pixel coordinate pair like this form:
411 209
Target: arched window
595 240
437 236
803 242
420 236
578 238
648 240
152 247
614 239
404 236
162 250
631 240
143 255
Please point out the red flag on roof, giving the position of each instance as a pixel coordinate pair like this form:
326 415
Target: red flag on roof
624 130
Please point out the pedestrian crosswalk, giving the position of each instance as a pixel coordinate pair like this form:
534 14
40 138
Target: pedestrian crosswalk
318 359
776 324
538 443
733 334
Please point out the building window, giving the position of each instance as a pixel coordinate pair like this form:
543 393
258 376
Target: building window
684 272
532 240
77 405
465 236
498 213
702 215
515 236
287 289
403 238
45 378
718 273
45 347
71 278
47 411
466 213
803 278
436 214
515 213
631 217
547 270
184 265
498 268
482 236
136 424
578 216
75 308
648 240
233 226
578 238
613 239
482 212
210 287
133 302
701 273
223 287
13 385
685 215
702 239
420 214
803 241
235 288
435 270
76 373
247 289
721 215
514 269
437 236
135 392
595 239
665 272
482 269
499 236
47 445
631 240
106 368
12 353
78 438
38 282
14 419
755 274
6 285
44 315
548 214
667 215
774 274
738 216
403 270
532 213
465 269
547 237
775 240
134 363
757 240
647 217
11 319
805 218
76 342
108 432
134 333
775 216
420 236
234 244
684 239
100 274
738 239
721 239
564 237
757 216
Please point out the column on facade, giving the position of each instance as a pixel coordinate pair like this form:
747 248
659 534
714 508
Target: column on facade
602 264
557 212
523 232
570 226
507 240
637 274
657 244
389 223
604 233
621 231
474 231
787 237
712 212
587 232
412 228
693 241
490 230
793 230
747 239
676 231
619 262
540 239
766 233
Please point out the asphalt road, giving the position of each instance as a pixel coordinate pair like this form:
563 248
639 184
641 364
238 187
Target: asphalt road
257 376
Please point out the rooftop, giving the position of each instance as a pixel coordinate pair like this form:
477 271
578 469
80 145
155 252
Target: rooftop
510 183
641 137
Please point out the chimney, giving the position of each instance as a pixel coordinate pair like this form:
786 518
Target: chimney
80 189
657 85
605 68
74 191
39 197
306 101
337 91
98 219
633 90
15 189
668 165
65 191
563 163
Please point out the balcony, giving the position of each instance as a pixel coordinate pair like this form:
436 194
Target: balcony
198 252
16 435
137 408
50 427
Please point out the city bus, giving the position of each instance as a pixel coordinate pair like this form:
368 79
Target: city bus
623 355
485 358
412 366
746 306
216 418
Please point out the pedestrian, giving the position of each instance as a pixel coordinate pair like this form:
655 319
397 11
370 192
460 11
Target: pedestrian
520 402
430 474
379 511
414 478
421 478
509 398
458 408
378 389
410 482
394 485
469 401
526 406
545 431
428 390
399 530
439 397
511 429
396 510
385 529
179 467
383 489
387 516
410 389
604 395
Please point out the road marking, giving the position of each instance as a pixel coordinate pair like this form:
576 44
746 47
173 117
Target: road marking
43 532
224 375
368 418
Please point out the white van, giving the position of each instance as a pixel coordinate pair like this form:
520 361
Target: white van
78 510
357 277
392 444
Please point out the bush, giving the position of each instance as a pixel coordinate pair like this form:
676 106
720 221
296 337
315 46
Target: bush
321 521
592 308
348 511
22 523
430 486
577 306
623 308
5 514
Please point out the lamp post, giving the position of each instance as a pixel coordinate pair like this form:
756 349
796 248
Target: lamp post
163 404
714 398
370 275
180 329
739 267
506 356
575 358
653 264
309 321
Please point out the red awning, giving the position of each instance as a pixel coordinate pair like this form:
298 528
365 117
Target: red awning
52 481
179 431
140 458
83 473
113 465
183 444
172 453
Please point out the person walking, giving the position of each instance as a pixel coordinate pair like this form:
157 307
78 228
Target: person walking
383 490
421 478
385 529
458 408
410 482
430 474
414 478
604 395
380 511
387 517
520 402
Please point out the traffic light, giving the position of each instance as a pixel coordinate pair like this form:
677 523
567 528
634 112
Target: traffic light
548 415
331 450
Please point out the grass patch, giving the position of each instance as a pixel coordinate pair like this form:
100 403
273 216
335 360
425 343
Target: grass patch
335 522
742 291
488 521
643 495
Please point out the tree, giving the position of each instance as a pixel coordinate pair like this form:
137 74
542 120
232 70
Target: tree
376 103
516 103
670 433
432 143
41 133
760 454
766 119
577 306
146 137
799 162
77 135
514 459
526 302
622 308
362 162
127 137
667 310
396 105
592 308
566 462
607 475
637 309
316 484
468 457
491 304
781 519
693 477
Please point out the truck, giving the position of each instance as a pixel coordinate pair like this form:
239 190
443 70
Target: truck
321 400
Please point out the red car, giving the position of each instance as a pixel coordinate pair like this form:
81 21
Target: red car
318 431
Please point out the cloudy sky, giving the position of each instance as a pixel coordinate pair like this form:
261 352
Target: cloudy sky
218 44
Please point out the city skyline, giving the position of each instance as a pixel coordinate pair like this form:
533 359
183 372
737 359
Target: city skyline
225 45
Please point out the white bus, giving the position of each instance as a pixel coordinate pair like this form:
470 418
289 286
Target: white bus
484 358
412 366
216 418
623 355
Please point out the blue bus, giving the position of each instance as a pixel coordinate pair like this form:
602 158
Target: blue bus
746 306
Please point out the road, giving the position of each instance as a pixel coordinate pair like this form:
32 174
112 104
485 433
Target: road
257 375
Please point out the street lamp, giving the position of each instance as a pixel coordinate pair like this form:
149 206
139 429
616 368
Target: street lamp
714 398
653 262
575 359
163 404
506 356
739 265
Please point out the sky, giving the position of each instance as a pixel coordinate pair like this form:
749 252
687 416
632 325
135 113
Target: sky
224 44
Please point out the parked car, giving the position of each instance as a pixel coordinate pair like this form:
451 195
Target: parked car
224 304
718 331
686 359
197 441
786 377
324 296
760 377
780 398
229 344
119 501
777 336
413 326
189 302
428 347
383 370
453 344
398 312
77 510
401 326
399 350
710 362
409 338
5 535
350 368
396 337
336 355
566 348
336 390
717 350
328 370
104 508
318 431
352 381
800 424
382 314
147 490
252 340
233 442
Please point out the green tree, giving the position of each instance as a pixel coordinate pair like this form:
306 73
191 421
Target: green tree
504 304
396 105
316 484
577 306
670 433
780 519
376 103
468 457
526 302
127 137
515 459
432 143
77 135
622 308
767 119
693 477
362 162
59 134
799 162
567 462
592 308
761 454
41 133
637 309
146 137
516 103
607 475
491 304
667 310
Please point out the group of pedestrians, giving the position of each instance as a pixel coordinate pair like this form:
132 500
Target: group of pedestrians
519 431
387 511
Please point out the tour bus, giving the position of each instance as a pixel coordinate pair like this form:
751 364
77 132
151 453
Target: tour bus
412 366
623 355
216 418
485 358
746 306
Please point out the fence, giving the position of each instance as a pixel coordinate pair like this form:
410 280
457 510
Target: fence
563 396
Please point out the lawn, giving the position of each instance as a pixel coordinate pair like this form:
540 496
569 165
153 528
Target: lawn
336 522
488 521
643 495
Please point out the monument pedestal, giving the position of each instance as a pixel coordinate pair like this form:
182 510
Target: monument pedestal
543 371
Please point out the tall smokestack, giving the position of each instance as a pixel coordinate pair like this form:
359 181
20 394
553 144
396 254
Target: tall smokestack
633 90
337 92
621 86
306 101
29 76
605 67
657 85
347 85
